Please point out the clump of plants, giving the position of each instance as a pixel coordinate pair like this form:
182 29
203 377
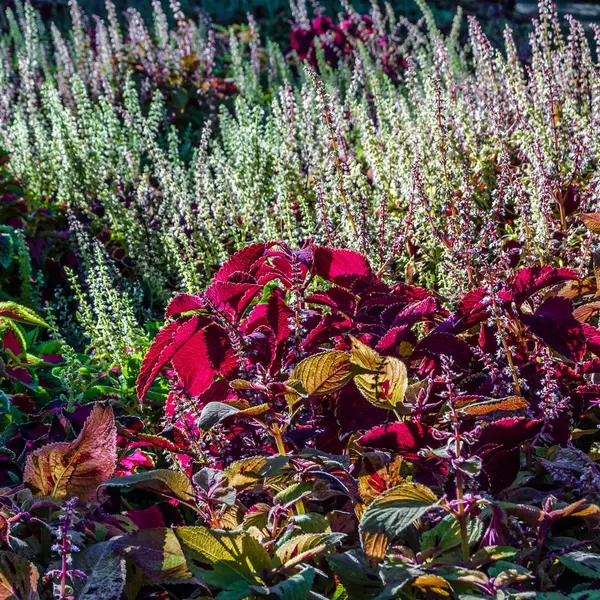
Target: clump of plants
306 322
326 434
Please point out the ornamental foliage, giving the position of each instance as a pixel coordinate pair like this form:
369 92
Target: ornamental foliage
305 321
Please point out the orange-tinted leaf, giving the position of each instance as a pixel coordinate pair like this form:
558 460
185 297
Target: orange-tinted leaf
433 584
18 578
584 312
591 221
479 409
69 469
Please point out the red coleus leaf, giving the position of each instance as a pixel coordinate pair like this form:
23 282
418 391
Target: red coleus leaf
407 439
246 262
389 344
232 298
347 268
336 298
133 461
183 303
472 310
11 342
169 339
438 345
162 514
553 322
22 375
530 280
202 356
592 338
354 413
273 319
417 311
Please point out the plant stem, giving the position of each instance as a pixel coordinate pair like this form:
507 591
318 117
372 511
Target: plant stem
464 534
279 439
299 505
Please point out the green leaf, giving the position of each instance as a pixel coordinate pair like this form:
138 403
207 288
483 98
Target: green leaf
7 249
296 587
214 412
391 513
105 570
20 314
161 481
358 578
293 493
250 472
233 556
323 373
396 577
156 552
382 380
304 546
582 563
311 523
446 535
18 578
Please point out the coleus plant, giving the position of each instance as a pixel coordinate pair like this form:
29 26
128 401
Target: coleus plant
309 350
328 435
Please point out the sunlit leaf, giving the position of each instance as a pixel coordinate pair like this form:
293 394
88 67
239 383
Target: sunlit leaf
161 481
20 314
382 380
479 409
324 373
304 546
391 513
69 469
223 558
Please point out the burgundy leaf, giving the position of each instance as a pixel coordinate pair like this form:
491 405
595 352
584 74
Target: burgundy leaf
389 344
530 280
354 413
232 298
336 298
11 342
346 268
407 439
498 446
553 322
246 261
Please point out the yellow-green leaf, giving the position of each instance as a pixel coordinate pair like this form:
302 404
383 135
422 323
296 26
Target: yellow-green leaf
391 513
302 547
161 481
323 373
382 380
235 554
20 314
